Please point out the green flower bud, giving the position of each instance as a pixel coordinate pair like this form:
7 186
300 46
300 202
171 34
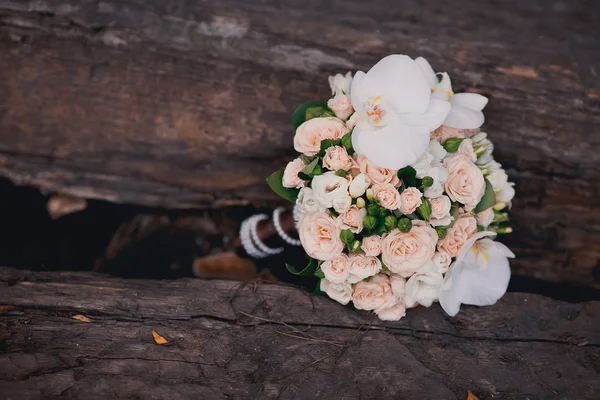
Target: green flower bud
383 212
504 230
425 209
373 209
370 222
355 247
404 225
390 222
360 202
370 194
452 145
341 172
427 181
346 236
499 206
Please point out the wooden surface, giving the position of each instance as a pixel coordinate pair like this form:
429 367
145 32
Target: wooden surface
186 104
232 341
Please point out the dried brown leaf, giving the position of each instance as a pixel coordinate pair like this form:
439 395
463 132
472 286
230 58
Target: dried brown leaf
471 396
82 318
5 309
159 339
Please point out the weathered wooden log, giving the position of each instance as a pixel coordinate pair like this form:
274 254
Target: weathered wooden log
226 340
183 104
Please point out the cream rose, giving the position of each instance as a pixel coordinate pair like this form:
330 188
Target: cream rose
337 269
362 267
310 134
359 185
342 203
410 199
444 133
336 158
328 186
485 217
405 253
371 245
290 174
465 182
442 261
341 106
353 219
387 195
307 202
424 286
320 235
440 211
464 227
377 174
340 292
466 149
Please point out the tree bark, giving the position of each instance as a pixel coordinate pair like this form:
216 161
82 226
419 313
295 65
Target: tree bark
182 104
229 340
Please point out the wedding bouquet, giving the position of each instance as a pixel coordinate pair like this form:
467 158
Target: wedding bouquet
398 197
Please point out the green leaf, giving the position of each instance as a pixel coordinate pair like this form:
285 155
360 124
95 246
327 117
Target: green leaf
308 170
452 145
307 271
341 172
303 176
318 170
347 142
274 182
319 273
318 291
317 112
306 159
347 236
408 175
299 114
425 209
354 247
441 232
489 198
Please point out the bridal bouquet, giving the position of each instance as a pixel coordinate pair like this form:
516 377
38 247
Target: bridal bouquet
398 197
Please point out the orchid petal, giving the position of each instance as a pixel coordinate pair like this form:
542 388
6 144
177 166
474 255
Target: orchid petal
356 94
461 117
473 101
401 83
428 72
393 146
433 117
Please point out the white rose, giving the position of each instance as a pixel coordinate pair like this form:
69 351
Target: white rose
371 245
328 187
410 200
341 105
337 269
342 293
442 261
342 203
290 174
336 158
424 286
359 185
340 83
362 267
440 211
311 133
503 189
320 235
307 202
485 217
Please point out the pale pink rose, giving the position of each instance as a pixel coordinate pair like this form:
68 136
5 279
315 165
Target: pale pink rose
340 292
377 174
290 174
404 253
440 211
444 133
337 269
466 148
394 313
353 120
310 134
465 182
371 245
442 261
387 195
464 227
362 267
382 294
486 217
336 158
353 219
320 235
341 105
410 198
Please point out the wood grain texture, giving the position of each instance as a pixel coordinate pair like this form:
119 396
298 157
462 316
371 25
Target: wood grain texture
179 104
232 341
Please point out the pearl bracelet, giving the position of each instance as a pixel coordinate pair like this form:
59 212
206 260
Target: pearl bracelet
250 240
277 224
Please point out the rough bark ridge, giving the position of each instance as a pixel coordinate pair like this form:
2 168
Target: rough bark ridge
186 104
232 341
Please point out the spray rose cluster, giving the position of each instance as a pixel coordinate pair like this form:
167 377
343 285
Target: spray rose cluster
397 193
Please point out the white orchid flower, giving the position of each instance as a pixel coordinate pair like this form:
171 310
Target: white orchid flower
479 276
466 107
397 112
340 84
